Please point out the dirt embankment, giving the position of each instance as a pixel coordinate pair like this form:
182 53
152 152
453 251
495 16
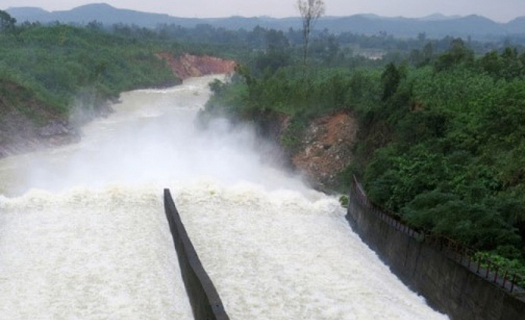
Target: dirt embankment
187 66
19 135
326 148
321 151
27 124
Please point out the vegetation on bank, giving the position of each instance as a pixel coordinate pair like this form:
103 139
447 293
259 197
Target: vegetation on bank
441 140
453 160
63 64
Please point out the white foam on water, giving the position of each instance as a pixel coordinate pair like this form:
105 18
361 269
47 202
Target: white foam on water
280 255
85 254
96 243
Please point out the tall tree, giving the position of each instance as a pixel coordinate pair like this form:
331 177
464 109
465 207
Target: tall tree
7 23
310 11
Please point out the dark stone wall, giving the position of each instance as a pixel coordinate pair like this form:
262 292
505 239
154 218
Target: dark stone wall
448 286
204 299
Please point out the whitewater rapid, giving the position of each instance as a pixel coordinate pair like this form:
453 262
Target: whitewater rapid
83 234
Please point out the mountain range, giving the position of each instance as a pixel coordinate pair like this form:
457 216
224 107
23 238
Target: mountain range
435 25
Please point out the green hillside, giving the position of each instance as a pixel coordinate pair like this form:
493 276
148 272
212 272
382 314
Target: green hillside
66 66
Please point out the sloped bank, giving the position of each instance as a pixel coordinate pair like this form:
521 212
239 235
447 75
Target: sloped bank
326 148
27 124
448 286
319 149
187 65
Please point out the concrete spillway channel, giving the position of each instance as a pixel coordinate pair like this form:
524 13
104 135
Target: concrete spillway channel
204 299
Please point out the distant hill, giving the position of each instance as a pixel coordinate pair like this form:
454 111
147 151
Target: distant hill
27 12
436 25
84 14
438 17
518 25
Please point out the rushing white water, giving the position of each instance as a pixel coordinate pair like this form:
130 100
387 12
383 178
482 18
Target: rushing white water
86 254
83 233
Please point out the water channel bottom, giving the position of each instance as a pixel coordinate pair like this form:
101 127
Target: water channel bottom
84 235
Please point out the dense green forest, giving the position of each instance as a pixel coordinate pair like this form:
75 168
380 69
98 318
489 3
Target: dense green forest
63 66
441 140
445 147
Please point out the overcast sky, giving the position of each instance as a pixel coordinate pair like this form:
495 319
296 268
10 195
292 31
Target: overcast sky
498 10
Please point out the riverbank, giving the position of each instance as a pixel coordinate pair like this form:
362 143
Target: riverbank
320 149
30 124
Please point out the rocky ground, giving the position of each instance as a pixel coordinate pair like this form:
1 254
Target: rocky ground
18 134
26 124
326 148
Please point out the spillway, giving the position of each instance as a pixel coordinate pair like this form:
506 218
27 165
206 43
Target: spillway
83 234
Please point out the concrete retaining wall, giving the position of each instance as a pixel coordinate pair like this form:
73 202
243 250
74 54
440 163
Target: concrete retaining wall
448 286
204 299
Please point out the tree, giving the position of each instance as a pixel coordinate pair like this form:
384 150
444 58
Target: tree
310 11
95 25
276 55
276 41
391 78
458 53
7 23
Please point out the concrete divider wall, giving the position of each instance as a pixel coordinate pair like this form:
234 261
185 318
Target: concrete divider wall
448 286
204 299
